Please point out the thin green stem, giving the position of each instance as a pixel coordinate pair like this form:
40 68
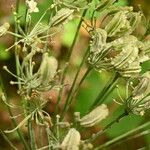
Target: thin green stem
70 96
95 136
31 134
8 141
18 130
13 119
16 35
48 138
106 91
69 55
81 81
123 136
16 39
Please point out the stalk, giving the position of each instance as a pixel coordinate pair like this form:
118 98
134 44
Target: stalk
123 136
31 134
16 39
14 121
70 96
69 55
6 138
106 91
107 127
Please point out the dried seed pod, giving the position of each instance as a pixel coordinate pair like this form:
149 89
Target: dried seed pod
134 19
71 140
4 28
140 96
123 22
47 68
61 16
104 4
95 116
98 42
127 56
78 4
118 25
142 89
99 50
132 70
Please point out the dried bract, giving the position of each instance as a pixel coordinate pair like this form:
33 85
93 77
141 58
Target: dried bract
4 28
71 140
32 6
48 68
95 116
61 17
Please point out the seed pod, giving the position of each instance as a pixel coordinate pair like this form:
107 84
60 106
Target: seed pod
95 116
142 89
123 22
99 37
128 54
134 19
4 28
61 16
119 25
145 48
71 140
48 68
78 4
104 4
132 70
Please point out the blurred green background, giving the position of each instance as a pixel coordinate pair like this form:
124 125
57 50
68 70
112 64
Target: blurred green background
92 85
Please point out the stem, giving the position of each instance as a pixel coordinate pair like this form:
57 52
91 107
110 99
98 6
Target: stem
107 127
106 91
31 134
16 39
81 81
13 119
123 136
69 55
70 96
6 138
48 138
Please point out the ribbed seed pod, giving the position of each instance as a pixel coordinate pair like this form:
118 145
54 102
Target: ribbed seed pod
61 16
127 56
71 140
98 42
118 25
47 68
4 28
103 4
95 116
123 22
140 96
132 70
145 48
78 4
134 19
99 49
142 89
